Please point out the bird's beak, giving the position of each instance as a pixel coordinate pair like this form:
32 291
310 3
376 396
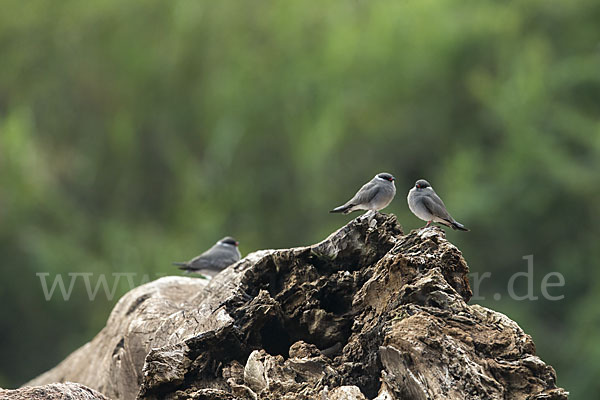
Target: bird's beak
237 244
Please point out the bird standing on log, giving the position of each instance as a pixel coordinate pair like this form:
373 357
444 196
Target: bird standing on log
427 205
224 253
375 195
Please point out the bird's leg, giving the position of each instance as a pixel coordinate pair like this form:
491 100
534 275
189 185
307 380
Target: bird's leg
368 215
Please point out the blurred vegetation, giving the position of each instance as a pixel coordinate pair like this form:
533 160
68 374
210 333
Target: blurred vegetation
133 134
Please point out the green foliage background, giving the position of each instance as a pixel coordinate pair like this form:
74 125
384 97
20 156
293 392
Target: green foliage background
133 134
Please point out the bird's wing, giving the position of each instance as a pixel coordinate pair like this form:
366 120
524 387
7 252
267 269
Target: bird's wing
201 262
366 193
215 258
436 206
227 255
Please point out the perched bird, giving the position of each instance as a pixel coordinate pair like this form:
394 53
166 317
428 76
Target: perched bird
224 253
427 205
374 195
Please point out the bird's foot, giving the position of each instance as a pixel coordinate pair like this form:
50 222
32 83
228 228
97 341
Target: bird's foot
366 216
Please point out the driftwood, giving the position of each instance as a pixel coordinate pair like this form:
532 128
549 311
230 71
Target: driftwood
367 313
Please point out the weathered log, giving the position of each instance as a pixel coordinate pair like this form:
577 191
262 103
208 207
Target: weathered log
367 313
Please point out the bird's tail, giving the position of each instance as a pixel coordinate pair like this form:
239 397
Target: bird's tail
458 226
346 208
182 266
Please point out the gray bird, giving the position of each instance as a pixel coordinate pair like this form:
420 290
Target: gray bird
374 195
224 253
427 205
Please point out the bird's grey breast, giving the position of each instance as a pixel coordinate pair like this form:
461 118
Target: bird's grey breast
385 194
417 202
